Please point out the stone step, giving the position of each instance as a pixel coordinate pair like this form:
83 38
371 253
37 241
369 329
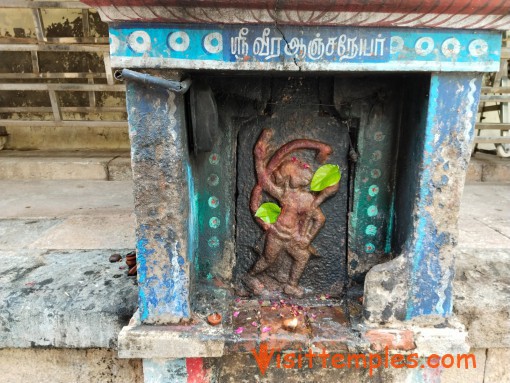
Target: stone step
485 167
65 165
116 166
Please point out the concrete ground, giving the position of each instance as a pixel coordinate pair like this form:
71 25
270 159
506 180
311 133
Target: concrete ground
58 290
484 220
84 214
66 214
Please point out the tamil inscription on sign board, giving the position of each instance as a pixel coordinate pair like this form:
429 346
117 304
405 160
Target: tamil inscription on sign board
302 48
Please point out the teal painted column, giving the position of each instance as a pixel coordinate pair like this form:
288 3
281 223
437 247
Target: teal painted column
434 155
449 131
162 189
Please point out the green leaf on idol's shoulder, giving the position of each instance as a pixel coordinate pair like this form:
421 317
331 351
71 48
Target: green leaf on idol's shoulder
326 176
268 212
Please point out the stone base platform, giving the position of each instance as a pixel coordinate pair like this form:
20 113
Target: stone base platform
319 323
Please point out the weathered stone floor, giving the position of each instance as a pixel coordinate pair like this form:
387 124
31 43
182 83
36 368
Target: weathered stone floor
485 216
66 215
57 287
482 280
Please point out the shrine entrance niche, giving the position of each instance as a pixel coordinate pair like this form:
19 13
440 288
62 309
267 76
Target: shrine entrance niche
321 241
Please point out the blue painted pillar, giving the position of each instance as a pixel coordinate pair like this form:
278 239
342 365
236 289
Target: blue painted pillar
451 117
436 152
161 175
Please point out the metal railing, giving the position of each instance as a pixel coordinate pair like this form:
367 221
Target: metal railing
499 96
29 82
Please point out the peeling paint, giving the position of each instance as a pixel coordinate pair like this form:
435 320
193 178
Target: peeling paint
291 48
163 212
432 263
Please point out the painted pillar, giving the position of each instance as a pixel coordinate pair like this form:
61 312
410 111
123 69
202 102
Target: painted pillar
451 117
419 281
161 175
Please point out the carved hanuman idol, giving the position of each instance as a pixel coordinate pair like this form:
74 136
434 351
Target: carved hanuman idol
287 179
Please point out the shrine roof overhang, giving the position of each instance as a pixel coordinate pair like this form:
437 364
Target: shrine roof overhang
451 14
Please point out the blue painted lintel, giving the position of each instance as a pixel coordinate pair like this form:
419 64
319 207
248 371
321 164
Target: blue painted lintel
293 48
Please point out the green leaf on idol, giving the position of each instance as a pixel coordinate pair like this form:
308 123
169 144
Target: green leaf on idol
268 212
326 176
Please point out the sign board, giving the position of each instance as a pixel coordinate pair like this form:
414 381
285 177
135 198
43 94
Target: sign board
288 48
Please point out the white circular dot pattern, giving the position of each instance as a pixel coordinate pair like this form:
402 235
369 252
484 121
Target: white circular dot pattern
397 44
213 42
450 47
139 41
424 45
178 41
478 48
